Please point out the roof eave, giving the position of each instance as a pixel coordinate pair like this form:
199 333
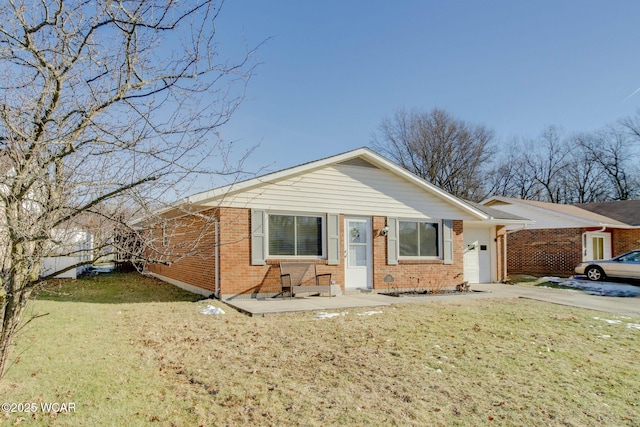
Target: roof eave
366 153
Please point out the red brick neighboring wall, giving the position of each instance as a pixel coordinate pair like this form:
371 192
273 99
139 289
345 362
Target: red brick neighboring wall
544 252
558 251
624 241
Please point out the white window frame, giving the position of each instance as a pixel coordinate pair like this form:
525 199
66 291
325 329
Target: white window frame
423 221
323 237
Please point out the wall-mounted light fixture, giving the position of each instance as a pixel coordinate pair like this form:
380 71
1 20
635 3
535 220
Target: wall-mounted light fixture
384 231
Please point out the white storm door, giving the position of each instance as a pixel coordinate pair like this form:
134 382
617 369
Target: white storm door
471 262
358 253
477 259
598 246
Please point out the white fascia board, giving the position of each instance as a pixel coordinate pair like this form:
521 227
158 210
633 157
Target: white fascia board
498 221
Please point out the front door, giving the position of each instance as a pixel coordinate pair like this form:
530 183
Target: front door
358 253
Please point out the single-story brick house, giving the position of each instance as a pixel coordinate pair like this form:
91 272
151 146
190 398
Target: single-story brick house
564 235
357 215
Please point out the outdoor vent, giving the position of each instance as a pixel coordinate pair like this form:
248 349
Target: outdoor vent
358 162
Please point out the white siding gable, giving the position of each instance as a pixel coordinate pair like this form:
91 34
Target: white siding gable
347 189
542 218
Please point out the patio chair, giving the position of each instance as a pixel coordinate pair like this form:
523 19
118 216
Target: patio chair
298 277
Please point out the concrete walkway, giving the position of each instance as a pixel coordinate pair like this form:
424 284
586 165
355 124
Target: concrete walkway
628 306
575 298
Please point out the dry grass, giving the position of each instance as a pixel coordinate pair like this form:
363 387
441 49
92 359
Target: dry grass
482 362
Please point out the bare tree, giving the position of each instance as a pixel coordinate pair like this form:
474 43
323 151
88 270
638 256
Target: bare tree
532 169
511 176
546 161
583 180
446 151
619 153
104 106
581 168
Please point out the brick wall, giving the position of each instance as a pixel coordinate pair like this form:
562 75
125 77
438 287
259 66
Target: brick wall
544 252
237 275
191 257
558 251
432 274
624 241
188 249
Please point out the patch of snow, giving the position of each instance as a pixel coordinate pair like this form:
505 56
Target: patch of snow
613 322
106 268
601 288
369 313
325 315
211 310
618 322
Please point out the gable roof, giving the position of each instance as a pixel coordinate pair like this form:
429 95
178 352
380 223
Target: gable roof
626 211
571 212
364 157
500 215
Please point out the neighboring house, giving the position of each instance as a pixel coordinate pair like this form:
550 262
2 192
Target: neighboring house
356 215
564 235
70 247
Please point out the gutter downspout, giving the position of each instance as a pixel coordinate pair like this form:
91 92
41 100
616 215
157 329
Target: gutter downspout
504 262
216 230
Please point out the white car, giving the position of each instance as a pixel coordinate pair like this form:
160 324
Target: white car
625 266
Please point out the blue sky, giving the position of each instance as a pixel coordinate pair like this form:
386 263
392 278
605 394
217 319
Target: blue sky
333 69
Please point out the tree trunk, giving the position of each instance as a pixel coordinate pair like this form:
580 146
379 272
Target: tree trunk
14 305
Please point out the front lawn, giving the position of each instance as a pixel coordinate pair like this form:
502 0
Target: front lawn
157 360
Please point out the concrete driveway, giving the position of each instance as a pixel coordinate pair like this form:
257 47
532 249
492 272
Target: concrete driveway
626 306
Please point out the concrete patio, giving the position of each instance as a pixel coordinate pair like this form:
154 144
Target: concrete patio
264 307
